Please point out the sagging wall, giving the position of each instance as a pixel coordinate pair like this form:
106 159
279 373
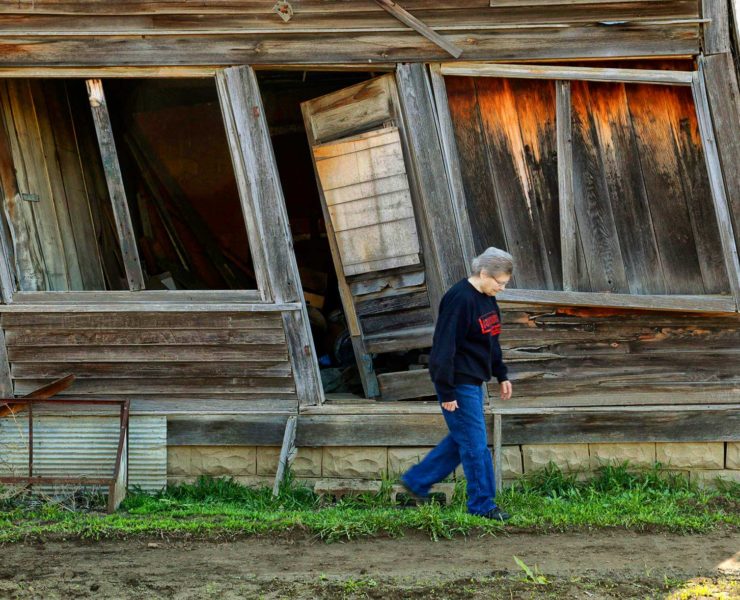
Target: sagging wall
702 462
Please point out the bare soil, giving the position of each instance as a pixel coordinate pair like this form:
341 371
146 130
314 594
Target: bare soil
599 564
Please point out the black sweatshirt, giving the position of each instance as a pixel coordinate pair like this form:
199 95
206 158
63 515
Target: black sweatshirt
465 348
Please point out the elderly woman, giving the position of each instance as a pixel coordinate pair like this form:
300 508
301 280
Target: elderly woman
465 354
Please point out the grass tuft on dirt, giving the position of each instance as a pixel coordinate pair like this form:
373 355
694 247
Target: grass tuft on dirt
548 500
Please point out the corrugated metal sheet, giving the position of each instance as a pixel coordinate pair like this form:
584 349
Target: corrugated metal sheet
85 446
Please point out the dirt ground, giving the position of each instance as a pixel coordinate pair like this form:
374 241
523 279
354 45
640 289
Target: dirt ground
601 564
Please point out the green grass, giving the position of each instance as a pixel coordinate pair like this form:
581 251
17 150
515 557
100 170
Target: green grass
545 501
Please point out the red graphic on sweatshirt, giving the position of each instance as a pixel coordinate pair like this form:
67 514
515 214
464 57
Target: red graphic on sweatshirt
490 324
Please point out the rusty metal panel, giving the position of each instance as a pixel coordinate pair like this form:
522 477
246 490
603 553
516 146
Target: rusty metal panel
85 446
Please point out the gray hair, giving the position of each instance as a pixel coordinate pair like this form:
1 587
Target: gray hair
492 261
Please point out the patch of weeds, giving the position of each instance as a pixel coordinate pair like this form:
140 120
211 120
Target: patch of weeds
531 575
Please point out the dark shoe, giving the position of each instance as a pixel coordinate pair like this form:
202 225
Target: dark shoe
497 515
412 494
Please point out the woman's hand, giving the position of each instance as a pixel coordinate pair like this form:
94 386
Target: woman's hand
451 406
506 390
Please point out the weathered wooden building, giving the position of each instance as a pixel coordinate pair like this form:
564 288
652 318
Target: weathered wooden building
235 212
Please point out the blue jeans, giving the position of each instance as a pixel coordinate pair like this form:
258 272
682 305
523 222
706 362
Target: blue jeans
467 443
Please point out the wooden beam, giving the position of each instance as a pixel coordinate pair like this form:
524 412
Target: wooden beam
567 73
148 307
566 198
8 189
267 219
434 196
716 182
6 381
709 304
114 179
723 94
420 27
452 162
717 29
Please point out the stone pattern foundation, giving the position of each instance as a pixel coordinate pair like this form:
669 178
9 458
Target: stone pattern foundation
702 462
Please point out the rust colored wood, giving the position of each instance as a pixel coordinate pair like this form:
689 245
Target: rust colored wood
42 393
515 178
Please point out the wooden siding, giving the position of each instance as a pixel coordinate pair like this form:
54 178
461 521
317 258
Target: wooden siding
607 357
156 356
217 32
644 217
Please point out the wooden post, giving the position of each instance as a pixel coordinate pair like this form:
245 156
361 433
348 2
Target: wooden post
6 381
716 183
566 199
267 219
114 179
497 445
287 453
445 250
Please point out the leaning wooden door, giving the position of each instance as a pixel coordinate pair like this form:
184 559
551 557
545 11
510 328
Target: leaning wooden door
375 218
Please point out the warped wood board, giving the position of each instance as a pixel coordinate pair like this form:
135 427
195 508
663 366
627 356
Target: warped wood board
515 43
512 189
717 30
114 179
566 205
369 201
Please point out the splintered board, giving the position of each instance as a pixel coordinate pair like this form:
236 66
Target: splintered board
367 194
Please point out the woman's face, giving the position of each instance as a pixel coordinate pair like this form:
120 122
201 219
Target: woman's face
493 284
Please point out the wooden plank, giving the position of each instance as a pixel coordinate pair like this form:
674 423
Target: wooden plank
6 383
497 457
566 204
407 339
414 298
360 107
397 321
419 26
35 227
475 166
444 254
267 205
643 189
142 296
365 367
709 304
452 162
144 317
59 203
567 73
624 426
716 182
723 94
145 370
717 30
114 180
141 307
515 43
596 225
405 384
87 354
9 189
370 429
145 337
232 386
76 196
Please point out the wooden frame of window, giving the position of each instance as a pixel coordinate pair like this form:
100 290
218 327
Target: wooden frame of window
562 76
